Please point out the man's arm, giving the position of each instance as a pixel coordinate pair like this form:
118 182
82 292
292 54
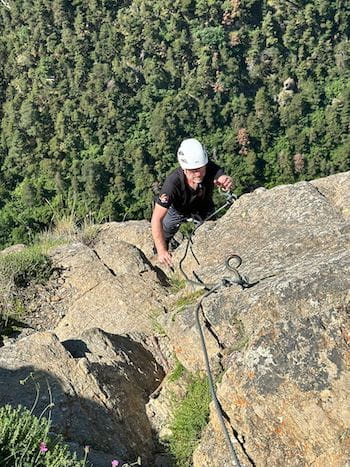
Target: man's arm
158 215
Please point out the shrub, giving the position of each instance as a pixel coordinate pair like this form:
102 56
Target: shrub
25 441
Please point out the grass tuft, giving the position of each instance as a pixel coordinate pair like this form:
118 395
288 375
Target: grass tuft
177 283
67 229
178 371
156 326
21 267
188 299
17 270
189 420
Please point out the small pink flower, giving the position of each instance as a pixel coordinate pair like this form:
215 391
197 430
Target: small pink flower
115 463
43 447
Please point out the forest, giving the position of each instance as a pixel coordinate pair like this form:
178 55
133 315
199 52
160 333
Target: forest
96 96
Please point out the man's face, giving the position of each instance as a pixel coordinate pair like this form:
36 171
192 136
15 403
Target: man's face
195 175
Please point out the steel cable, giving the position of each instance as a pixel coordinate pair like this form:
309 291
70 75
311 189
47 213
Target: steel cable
211 288
211 380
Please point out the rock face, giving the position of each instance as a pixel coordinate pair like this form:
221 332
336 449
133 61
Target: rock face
99 382
111 286
280 347
137 233
283 343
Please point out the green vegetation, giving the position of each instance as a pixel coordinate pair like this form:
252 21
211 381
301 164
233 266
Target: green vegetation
17 271
156 326
178 371
32 265
66 227
95 98
29 265
177 283
25 441
188 299
189 419
186 229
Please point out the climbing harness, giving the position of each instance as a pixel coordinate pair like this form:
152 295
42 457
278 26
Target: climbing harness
232 263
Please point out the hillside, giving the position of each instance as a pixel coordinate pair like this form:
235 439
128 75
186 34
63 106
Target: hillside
95 97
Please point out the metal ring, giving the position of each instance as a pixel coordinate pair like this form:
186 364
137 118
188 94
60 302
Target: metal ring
228 260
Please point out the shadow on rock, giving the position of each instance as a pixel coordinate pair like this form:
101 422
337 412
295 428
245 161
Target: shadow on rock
99 388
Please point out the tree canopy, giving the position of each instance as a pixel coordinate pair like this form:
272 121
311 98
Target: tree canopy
95 98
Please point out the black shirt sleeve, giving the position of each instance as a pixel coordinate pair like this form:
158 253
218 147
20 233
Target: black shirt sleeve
168 191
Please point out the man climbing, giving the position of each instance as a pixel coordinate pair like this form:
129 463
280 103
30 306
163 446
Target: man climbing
186 192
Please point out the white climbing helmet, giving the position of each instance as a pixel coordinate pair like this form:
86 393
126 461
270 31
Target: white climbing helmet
191 154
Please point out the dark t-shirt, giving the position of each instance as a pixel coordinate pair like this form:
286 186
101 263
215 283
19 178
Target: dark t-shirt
177 193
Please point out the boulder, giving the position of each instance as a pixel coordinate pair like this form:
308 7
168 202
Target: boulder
99 384
289 84
137 233
111 286
336 189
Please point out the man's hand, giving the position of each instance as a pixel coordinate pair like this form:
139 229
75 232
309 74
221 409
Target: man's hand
164 257
158 215
224 181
